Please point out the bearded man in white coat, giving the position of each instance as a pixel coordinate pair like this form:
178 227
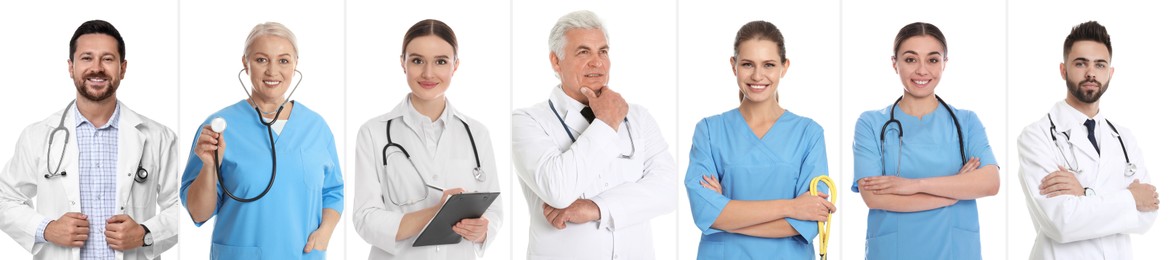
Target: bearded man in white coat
1084 177
95 180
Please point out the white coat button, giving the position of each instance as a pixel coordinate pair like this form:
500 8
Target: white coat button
72 202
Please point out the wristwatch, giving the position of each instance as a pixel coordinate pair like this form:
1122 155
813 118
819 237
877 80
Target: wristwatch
1089 191
147 239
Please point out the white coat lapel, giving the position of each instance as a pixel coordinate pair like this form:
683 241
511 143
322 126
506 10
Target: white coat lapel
130 148
1083 146
73 175
1070 124
576 122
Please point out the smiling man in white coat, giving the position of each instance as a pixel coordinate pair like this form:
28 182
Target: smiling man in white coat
88 182
1086 182
594 170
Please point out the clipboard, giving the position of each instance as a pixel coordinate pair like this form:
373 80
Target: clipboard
458 207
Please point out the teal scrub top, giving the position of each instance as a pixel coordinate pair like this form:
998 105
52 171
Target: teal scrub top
930 149
779 166
308 179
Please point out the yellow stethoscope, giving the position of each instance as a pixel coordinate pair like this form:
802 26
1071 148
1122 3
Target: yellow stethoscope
823 227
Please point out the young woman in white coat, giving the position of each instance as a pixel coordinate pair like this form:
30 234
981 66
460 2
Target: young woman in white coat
424 143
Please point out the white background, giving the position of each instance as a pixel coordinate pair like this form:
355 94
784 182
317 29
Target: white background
1137 90
212 35
642 58
973 80
707 31
375 84
646 67
36 72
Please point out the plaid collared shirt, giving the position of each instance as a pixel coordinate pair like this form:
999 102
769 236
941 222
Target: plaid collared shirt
97 164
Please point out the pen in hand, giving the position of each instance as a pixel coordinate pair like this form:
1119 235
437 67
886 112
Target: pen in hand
434 188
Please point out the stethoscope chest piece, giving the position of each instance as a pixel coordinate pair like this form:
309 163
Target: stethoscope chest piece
1131 169
478 174
141 175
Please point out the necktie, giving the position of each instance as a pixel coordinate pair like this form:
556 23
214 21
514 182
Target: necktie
1090 127
588 113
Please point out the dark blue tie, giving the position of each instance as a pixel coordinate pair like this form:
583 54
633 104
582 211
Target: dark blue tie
588 113
1090 127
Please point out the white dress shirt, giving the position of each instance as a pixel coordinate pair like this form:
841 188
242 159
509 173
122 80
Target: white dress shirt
379 188
428 131
1095 226
557 171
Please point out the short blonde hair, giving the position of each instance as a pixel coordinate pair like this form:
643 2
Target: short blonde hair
273 29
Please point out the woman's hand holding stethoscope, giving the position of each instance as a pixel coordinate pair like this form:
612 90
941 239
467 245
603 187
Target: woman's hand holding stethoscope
209 142
811 207
903 186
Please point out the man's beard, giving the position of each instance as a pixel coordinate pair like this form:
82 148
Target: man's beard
111 87
1088 96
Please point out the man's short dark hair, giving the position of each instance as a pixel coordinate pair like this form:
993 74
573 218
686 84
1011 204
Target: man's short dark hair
1088 31
100 27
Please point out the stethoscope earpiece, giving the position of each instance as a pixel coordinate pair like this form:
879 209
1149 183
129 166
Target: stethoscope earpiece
299 76
50 176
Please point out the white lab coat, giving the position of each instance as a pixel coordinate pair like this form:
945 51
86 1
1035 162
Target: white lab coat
556 171
377 218
1089 227
27 197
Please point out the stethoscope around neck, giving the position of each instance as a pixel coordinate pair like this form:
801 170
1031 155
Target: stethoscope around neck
477 172
271 140
899 124
140 175
630 134
1075 166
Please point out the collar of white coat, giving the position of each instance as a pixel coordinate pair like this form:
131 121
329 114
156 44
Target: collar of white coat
568 109
1065 117
403 110
126 118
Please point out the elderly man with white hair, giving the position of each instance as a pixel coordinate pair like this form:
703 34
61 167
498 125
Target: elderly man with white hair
594 170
